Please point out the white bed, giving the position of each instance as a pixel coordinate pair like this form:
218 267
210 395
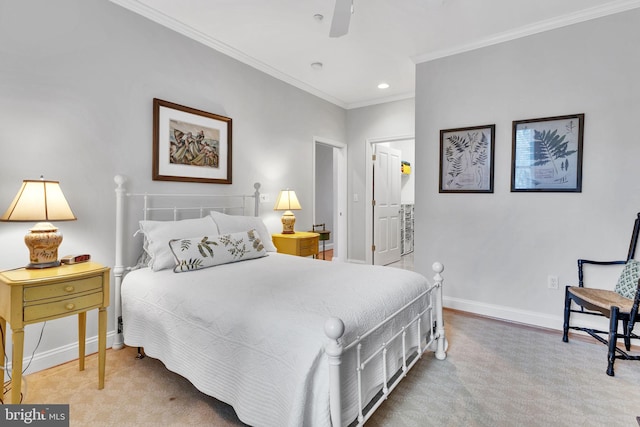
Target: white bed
263 334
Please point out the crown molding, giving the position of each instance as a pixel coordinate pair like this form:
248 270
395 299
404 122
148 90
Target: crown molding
166 21
539 27
542 26
376 101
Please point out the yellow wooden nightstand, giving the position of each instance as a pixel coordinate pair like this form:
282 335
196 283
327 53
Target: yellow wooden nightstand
36 295
300 243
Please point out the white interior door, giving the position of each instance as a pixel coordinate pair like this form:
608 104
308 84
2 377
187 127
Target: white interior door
386 205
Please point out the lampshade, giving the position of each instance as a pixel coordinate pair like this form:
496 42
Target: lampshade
287 201
43 201
39 200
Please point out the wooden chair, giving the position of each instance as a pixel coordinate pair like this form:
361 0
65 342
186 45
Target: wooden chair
619 305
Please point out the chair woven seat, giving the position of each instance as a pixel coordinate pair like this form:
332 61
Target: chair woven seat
620 305
602 298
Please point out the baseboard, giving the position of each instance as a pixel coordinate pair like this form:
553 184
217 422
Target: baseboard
60 355
506 313
327 246
526 317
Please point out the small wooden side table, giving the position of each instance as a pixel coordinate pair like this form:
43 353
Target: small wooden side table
35 295
324 236
300 243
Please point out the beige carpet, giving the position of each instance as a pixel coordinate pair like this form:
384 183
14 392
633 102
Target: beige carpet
496 374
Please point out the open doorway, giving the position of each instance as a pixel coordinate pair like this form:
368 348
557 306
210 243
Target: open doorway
391 218
330 196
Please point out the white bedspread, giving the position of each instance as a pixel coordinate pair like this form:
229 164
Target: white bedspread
251 333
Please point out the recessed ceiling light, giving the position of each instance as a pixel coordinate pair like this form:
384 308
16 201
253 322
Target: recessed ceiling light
316 65
318 17
383 86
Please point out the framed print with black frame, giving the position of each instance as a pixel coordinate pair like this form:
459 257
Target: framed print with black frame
547 154
190 145
466 159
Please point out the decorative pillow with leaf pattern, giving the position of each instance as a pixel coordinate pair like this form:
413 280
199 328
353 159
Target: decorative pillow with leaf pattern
628 281
195 253
158 233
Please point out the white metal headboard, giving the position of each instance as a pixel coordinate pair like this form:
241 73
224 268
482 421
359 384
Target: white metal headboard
158 204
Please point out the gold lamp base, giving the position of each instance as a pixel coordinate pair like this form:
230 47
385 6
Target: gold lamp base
43 241
288 221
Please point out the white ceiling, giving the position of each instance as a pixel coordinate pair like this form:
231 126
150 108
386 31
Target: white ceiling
386 38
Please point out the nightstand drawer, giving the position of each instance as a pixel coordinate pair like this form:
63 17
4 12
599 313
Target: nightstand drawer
62 307
308 246
62 289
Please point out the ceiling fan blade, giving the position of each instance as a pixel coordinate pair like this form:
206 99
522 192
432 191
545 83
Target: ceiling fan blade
341 18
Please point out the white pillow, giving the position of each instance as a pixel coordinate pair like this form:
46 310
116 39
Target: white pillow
159 233
235 223
195 253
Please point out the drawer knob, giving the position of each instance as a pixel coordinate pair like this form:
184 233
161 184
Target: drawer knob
70 306
69 288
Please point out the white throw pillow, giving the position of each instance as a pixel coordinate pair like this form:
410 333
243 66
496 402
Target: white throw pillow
235 223
195 253
159 233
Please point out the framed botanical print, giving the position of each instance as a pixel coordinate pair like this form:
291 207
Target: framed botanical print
466 159
190 145
547 154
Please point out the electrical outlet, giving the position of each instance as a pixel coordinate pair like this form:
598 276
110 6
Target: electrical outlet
265 198
552 282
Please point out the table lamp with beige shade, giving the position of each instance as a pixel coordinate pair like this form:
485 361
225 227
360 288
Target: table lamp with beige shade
287 201
41 201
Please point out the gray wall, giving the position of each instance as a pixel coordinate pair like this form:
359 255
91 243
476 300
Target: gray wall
77 79
498 249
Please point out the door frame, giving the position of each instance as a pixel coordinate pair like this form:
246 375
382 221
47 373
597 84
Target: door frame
339 194
368 191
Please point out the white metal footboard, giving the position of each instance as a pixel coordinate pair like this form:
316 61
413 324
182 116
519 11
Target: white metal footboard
334 329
